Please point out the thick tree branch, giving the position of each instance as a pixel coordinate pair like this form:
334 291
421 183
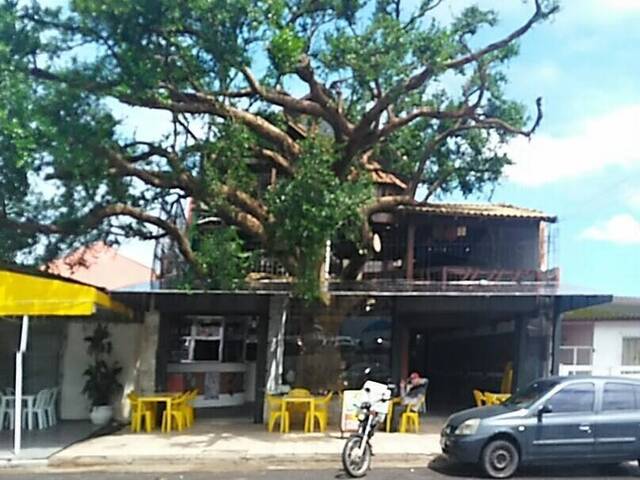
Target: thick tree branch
274 157
246 202
420 78
341 126
96 216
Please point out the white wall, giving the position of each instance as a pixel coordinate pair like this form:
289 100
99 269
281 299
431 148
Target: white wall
607 343
126 345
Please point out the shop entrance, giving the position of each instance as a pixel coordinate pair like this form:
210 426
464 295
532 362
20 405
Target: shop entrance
458 360
465 343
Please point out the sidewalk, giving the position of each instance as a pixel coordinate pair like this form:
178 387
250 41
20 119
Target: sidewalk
219 443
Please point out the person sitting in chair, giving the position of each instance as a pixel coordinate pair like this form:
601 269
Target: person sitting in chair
414 390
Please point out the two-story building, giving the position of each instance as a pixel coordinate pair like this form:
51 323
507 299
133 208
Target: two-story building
454 291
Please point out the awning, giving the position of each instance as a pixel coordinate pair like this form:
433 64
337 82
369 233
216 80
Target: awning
44 295
27 294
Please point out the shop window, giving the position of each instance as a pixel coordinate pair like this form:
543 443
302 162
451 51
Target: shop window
214 339
330 348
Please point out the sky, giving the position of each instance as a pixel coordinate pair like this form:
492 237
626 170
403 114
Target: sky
583 164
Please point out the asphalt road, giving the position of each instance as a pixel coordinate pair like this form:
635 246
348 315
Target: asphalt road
437 470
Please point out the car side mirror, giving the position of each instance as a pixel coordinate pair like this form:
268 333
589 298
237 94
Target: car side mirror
544 409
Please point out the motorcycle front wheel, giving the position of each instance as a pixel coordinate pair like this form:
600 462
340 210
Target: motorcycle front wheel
356 465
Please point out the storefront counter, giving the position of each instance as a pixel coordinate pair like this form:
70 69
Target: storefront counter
220 384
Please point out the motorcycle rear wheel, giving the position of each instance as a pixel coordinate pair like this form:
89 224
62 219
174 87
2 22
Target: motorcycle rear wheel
356 467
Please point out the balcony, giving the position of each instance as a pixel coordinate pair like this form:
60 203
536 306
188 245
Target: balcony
466 261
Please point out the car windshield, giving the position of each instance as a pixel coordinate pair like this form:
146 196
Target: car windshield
529 395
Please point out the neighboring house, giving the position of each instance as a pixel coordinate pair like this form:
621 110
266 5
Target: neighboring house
602 340
456 291
102 266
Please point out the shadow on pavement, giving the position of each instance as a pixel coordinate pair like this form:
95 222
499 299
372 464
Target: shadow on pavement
446 467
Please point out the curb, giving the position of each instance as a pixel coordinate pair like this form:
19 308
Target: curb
228 461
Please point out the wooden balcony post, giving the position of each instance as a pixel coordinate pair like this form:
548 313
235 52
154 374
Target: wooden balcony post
411 242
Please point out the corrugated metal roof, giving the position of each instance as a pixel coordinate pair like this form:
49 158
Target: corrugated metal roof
497 210
621 308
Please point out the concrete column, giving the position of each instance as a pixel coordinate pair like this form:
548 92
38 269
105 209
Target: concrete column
533 339
278 312
556 339
148 351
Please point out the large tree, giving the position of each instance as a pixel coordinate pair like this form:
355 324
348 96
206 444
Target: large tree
321 91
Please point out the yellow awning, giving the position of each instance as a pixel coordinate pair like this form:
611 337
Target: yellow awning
43 295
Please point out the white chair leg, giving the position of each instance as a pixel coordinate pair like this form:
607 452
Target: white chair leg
42 420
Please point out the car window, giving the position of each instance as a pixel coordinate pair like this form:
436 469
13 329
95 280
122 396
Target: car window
531 393
577 397
618 396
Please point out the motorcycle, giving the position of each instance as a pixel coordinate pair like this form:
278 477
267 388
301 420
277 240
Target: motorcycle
372 411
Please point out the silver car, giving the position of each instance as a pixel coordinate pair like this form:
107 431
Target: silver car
557 419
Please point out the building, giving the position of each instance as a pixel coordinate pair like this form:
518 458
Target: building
102 266
455 291
602 340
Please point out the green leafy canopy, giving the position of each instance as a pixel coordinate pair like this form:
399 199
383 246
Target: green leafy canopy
269 115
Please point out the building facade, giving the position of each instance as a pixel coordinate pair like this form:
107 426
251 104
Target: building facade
602 340
454 291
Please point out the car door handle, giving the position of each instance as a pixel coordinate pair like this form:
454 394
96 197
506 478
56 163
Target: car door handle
585 428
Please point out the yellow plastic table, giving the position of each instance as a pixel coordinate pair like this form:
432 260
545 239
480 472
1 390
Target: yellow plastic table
158 397
309 402
392 403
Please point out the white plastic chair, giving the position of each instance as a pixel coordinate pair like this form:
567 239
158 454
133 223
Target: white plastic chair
39 410
7 406
50 407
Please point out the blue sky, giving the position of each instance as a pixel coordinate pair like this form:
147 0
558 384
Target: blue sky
583 164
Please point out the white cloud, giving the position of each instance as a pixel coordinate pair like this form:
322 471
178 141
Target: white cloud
608 140
622 229
617 6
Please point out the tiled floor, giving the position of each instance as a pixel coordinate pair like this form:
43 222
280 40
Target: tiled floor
41 444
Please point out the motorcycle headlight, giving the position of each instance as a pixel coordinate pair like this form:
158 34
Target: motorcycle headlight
362 415
469 427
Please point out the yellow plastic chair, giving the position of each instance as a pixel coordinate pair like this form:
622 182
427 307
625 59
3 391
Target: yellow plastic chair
479 397
274 404
496 398
321 413
177 414
507 378
410 419
299 392
187 407
148 414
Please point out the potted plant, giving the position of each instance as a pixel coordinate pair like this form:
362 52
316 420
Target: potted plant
101 383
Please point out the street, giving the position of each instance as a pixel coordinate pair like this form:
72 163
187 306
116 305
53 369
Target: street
437 470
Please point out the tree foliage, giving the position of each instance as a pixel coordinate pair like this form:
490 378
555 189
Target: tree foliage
317 90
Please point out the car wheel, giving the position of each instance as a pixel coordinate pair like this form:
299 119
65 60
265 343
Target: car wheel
500 459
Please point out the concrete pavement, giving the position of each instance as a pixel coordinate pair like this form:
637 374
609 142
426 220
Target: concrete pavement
235 444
